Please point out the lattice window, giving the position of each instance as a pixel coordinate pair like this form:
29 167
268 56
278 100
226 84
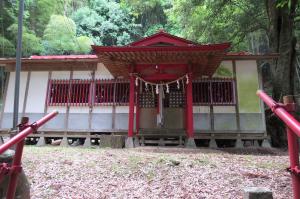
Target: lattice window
147 97
214 91
176 97
104 92
58 92
148 100
72 92
223 92
80 92
122 93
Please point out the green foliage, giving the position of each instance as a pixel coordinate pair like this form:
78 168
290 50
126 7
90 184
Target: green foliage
7 49
31 44
106 23
84 45
59 36
39 13
149 13
219 21
223 72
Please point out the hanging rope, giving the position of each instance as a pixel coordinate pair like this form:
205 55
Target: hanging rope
160 84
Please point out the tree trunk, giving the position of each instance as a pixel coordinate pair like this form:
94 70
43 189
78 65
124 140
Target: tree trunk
282 41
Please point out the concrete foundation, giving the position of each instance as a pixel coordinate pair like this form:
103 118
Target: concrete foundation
129 142
161 142
136 142
87 142
64 141
239 143
41 142
256 144
213 144
257 193
190 143
266 144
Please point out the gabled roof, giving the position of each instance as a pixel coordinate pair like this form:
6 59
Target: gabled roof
164 39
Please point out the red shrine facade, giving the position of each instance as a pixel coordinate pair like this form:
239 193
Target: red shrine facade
161 60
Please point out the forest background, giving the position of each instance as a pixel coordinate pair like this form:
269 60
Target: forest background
256 26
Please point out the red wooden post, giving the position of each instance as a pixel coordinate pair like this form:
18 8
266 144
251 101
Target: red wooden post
137 115
189 108
131 107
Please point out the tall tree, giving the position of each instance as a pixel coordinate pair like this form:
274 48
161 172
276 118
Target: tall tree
269 23
106 23
60 37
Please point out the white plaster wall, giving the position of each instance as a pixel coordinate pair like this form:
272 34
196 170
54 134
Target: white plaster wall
9 101
102 72
201 109
123 109
60 75
224 109
247 85
102 109
60 109
82 74
78 109
37 92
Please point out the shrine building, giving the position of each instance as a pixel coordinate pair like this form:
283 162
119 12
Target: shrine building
160 90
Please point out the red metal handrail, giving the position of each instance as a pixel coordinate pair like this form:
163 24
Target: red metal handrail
16 167
293 132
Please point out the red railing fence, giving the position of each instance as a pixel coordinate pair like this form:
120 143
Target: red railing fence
285 113
16 167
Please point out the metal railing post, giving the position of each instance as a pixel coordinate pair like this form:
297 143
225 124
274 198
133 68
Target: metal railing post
284 112
16 167
293 148
16 164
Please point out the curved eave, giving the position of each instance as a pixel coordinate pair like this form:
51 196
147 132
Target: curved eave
208 47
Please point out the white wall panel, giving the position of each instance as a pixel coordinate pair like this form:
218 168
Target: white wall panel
102 72
82 74
201 109
60 75
102 109
37 92
60 109
9 101
78 109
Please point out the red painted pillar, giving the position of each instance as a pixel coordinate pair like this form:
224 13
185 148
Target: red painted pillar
131 107
189 108
137 115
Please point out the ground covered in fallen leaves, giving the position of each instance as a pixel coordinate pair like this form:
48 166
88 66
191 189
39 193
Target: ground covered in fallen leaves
151 172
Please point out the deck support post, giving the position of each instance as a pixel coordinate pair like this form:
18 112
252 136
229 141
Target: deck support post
129 142
213 143
64 141
266 144
41 141
190 143
87 142
239 143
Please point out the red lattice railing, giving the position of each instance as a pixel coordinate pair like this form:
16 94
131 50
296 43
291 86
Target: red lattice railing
215 91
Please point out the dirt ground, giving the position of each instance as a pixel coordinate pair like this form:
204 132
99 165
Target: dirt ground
151 172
